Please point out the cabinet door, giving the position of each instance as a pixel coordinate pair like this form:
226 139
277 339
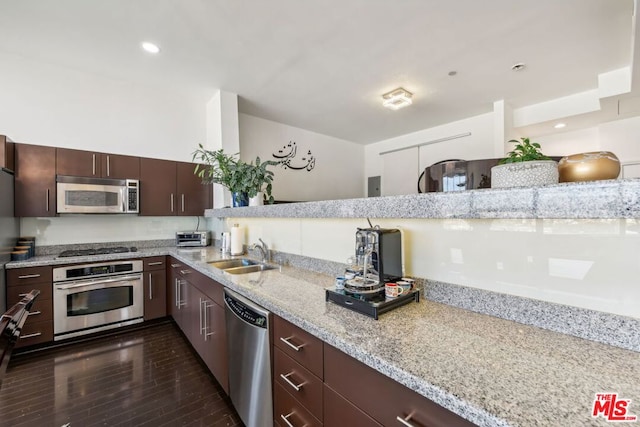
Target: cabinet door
193 197
214 336
155 294
157 187
77 163
35 180
338 411
116 166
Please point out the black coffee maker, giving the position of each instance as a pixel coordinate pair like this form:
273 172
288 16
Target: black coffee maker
379 251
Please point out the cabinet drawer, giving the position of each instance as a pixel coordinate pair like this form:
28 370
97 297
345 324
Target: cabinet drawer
154 263
301 346
305 387
338 411
15 293
372 390
35 333
29 275
289 412
41 310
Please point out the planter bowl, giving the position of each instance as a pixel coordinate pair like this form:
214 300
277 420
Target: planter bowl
524 174
590 166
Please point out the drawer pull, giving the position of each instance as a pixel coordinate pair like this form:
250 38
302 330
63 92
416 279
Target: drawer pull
287 342
158 263
405 421
34 313
288 381
285 418
29 276
22 295
176 265
185 271
24 337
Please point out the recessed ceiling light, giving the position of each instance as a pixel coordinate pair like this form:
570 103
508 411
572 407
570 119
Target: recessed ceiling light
518 67
560 125
397 98
453 73
150 47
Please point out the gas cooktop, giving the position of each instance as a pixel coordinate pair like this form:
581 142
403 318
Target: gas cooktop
370 304
97 251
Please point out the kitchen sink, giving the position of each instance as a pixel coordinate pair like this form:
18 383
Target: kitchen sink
233 263
248 269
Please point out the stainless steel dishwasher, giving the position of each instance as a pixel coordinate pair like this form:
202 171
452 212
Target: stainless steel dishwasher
249 354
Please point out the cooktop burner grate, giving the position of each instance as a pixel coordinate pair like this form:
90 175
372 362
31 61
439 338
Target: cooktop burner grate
97 251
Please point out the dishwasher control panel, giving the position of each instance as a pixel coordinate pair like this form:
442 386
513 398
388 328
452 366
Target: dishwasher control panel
246 313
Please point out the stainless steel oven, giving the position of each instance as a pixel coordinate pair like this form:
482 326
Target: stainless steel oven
93 297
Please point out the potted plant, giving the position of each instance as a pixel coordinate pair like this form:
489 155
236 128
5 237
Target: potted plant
243 180
525 166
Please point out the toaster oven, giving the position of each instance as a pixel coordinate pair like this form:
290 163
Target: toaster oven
193 238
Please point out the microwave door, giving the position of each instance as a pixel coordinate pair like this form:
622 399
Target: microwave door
82 198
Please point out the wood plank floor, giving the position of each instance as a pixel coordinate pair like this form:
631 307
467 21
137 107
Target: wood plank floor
143 377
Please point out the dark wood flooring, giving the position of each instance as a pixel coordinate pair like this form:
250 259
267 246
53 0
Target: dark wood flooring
142 377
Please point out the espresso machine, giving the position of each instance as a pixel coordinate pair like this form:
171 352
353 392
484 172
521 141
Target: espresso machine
378 254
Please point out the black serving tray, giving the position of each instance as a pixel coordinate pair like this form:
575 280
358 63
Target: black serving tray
371 305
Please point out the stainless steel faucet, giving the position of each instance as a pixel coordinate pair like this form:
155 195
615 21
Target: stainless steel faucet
264 250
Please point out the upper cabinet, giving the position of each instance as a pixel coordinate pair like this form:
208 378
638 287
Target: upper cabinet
170 188
193 196
98 165
35 180
6 153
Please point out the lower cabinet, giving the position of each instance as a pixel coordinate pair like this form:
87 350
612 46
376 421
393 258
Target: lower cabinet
338 411
193 303
155 287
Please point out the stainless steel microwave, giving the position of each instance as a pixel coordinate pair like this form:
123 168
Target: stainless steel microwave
97 195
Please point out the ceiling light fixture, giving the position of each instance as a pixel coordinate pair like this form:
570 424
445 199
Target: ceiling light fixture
150 47
397 98
560 125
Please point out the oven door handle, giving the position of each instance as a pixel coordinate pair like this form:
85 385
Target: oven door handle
100 282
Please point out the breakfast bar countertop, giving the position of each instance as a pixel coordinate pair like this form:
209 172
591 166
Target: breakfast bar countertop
491 371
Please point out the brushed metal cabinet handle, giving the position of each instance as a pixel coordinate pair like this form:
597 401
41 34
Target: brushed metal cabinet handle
150 286
108 166
285 418
24 337
182 202
47 200
205 307
171 202
94 164
288 381
34 313
200 312
293 346
405 421
156 263
29 276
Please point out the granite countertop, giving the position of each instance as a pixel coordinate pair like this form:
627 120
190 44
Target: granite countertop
491 371
579 200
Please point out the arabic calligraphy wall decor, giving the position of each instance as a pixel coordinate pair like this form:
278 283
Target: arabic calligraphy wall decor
287 155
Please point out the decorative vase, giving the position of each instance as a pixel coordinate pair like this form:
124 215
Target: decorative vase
524 174
239 199
258 200
592 166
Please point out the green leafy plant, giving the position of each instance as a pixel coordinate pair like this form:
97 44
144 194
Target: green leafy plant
234 174
524 151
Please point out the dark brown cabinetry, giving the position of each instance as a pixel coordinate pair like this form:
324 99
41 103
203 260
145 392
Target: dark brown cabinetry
196 305
6 153
155 287
170 188
35 180
98 165
405 407
39 325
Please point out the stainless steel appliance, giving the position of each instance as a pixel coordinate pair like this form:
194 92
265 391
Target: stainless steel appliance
94 297
9 229
97 195
192 238
248 334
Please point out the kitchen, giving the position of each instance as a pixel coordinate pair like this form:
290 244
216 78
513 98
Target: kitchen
139 120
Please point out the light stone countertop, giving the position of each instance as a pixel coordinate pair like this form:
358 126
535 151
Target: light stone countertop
491 371
576 200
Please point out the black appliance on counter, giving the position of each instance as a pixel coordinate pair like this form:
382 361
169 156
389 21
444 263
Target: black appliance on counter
377 261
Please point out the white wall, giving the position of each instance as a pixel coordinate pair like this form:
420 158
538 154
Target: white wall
339 164
479 145
46 104
584 263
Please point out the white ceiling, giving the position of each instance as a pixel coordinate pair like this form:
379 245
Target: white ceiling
323 65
